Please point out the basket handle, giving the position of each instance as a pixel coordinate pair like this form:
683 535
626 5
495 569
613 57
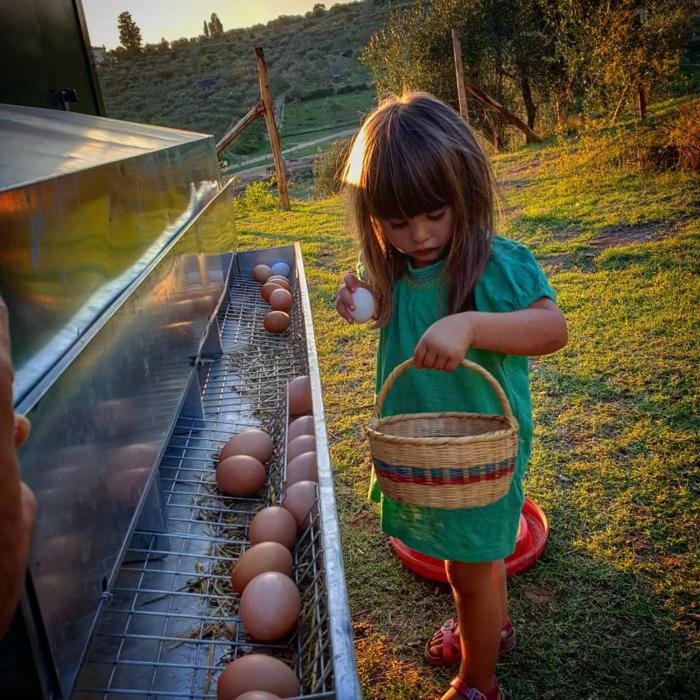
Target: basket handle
468 364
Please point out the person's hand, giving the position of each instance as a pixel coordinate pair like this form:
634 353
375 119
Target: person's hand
22 429
444 344
344 303
17 503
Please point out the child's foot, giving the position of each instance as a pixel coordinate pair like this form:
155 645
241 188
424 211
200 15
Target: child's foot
443 648
460 690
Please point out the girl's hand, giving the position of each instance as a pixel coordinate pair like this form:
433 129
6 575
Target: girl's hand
344 302
444 344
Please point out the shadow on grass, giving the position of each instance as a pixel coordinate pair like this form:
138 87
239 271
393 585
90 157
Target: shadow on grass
585 628
682 254
588 630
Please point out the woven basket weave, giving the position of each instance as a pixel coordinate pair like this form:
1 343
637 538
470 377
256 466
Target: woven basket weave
444 460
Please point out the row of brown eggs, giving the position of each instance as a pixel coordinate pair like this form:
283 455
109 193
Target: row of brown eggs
276 292
270 602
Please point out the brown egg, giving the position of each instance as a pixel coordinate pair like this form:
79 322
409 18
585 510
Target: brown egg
268 288
299 500
68 464
126 486
254 442
281 300
206 304
63 553
261 273
127 470
257 672
299 396
276 322
282 281
304 443
258 695
240 475
273 524
114 415
300 426
140 455
270 606
182 311
302 468
66 598
266 556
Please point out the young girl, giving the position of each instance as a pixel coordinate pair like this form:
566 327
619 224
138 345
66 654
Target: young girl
422 198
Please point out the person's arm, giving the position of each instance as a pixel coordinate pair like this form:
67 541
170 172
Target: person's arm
17 504
538 330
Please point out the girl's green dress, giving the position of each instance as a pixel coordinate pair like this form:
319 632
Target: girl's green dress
511 281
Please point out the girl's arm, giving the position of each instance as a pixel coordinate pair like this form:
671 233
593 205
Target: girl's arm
538 330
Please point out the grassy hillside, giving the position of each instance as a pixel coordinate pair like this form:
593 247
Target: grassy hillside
609 611
206 84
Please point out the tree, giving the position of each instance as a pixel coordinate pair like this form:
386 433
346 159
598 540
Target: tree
592 54
129 33
500 50
215 26
206 29
608 51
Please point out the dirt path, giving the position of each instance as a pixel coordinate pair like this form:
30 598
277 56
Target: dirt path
267 158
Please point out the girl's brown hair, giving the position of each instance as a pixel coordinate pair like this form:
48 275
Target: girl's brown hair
414 155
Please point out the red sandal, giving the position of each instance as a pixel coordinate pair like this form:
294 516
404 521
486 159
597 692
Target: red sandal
449 644
473 694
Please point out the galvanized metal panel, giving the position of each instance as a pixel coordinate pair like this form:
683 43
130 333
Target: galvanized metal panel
45 43
99 427
174 623
86 205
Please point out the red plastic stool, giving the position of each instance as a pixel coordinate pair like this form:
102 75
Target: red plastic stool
533 531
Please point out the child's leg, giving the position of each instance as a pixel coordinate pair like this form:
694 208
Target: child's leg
478 597
501 583
440 651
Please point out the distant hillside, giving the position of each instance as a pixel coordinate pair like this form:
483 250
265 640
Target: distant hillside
205 84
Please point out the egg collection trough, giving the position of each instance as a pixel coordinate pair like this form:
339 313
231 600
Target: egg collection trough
128 593
173 623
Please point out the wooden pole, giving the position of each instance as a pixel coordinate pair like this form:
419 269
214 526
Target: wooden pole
459 70
232 134
620 104
272 127
488 101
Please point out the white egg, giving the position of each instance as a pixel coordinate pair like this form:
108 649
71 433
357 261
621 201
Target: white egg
364 305
280 268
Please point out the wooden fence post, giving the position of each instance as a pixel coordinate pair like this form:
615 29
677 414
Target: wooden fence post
459 70
272 127
237 129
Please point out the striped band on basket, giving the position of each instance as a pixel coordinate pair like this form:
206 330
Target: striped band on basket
440 476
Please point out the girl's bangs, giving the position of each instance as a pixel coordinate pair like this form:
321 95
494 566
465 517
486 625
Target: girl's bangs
408 180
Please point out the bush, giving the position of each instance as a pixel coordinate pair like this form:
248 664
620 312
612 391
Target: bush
257 196
328 167
684 136
670 143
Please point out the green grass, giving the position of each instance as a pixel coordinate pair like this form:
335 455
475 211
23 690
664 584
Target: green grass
313 119
609 611
339 109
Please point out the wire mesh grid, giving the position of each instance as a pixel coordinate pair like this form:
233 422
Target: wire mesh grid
172 623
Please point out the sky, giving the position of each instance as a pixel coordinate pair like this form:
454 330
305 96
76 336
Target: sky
174 19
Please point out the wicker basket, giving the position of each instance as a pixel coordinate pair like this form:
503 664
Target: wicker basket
444 460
